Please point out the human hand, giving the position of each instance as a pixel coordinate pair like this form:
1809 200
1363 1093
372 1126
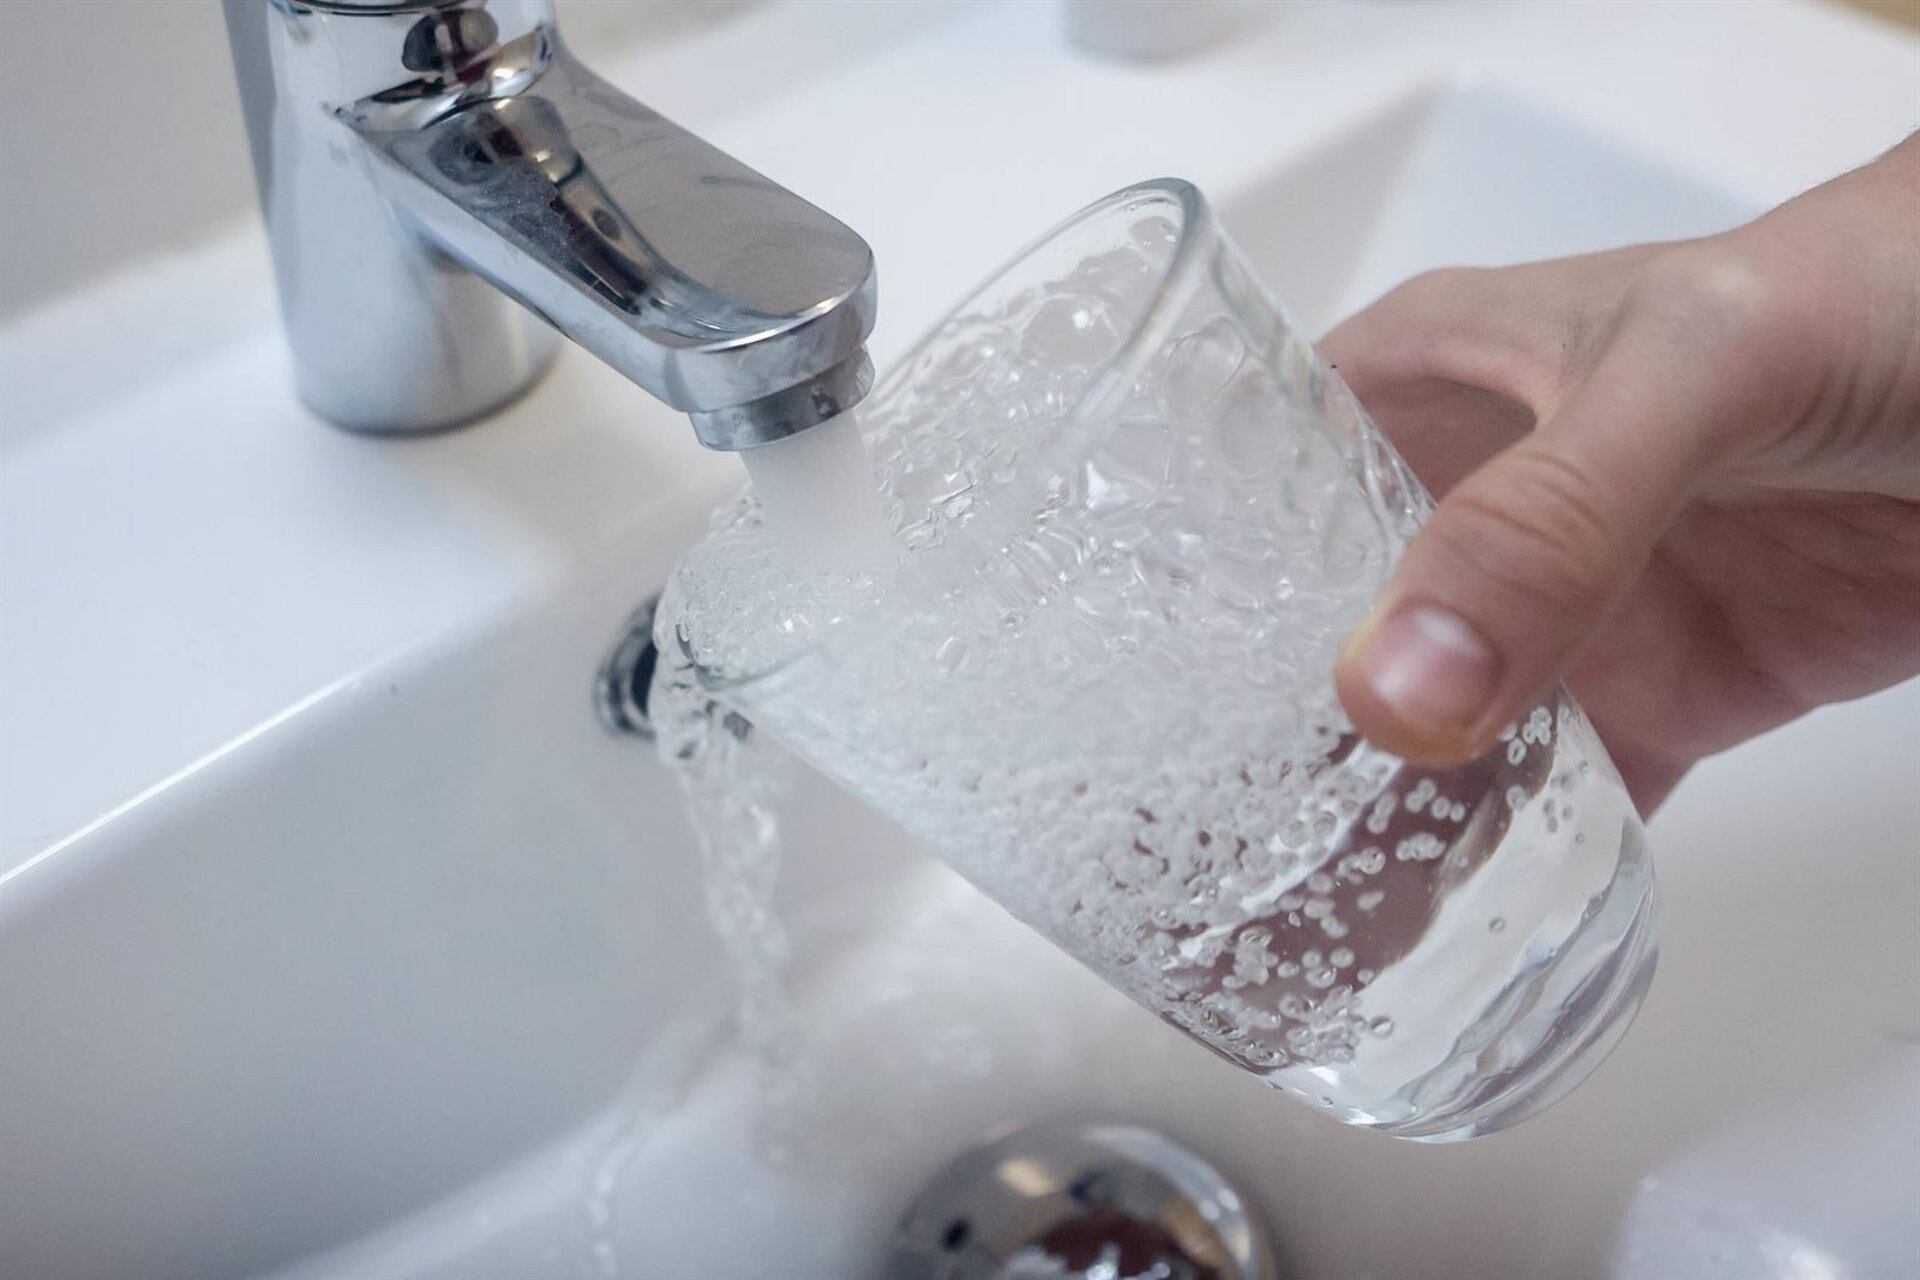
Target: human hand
1684 476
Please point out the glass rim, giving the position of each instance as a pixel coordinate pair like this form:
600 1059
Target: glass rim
1117 373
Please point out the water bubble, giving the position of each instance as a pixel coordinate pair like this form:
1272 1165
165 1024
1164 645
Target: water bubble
1422 846
1155 234
1068 331
951 653
1200 366
1251 433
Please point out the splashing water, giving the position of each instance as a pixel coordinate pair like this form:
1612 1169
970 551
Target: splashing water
629 1135
732 796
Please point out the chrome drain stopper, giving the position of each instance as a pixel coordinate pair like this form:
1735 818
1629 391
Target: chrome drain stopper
621 686
1070 1200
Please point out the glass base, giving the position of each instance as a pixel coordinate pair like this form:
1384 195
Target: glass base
1592 1019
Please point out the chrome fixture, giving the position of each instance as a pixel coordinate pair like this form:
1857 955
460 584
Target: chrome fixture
625 680
1075 1201
428 166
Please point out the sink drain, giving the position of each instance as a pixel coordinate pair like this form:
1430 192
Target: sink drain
1074 1201
626 677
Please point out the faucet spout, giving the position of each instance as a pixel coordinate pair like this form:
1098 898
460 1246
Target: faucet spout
472 156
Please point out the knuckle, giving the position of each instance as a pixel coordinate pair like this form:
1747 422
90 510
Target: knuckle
1716 296
1542 541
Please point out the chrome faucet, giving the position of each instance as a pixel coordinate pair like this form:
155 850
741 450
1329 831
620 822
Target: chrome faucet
428 166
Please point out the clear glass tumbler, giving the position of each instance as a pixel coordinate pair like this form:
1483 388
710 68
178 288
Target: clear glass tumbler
1139 516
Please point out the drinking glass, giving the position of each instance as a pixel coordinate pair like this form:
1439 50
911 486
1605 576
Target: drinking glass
1139 516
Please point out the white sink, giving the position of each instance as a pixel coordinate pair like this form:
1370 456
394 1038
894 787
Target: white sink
338 938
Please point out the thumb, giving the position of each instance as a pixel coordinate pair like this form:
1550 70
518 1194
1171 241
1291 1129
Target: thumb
1519 566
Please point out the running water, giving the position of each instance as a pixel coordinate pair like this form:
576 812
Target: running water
732 798
821 499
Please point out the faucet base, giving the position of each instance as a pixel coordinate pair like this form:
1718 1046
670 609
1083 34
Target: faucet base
523 366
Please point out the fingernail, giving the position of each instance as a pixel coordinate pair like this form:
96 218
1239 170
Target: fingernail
1431 667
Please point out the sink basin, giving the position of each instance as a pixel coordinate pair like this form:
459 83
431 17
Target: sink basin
1457 175
337 937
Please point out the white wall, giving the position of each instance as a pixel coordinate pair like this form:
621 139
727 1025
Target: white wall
120 131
